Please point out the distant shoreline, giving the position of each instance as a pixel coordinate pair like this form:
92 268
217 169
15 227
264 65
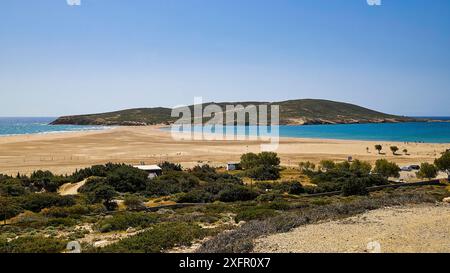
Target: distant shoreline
17 126
408 132
283 134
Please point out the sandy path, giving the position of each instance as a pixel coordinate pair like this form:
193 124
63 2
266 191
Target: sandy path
424 228
64 152
71 188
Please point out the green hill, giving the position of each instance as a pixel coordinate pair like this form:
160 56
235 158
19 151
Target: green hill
292 112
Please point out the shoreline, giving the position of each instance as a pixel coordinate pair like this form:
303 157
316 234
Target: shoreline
166 128
58 132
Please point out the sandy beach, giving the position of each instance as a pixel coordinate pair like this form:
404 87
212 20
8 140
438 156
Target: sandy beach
62 153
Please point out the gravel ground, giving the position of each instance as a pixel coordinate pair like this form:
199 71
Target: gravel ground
413 229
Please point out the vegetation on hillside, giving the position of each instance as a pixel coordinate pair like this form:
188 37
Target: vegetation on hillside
304 111
183 206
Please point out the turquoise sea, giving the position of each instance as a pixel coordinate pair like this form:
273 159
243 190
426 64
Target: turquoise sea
428 132
37 125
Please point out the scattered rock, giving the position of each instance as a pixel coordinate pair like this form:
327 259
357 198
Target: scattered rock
131 230
416 229
101 243
446 200
165 211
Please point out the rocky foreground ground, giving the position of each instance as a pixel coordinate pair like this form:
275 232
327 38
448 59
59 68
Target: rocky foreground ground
417 229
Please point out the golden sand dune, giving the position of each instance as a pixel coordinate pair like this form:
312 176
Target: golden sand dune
64 152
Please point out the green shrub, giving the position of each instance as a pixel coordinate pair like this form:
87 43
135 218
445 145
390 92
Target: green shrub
196 196
12 187
307 167
133 202
427 171
263 173
327 165
172 183
61 222
168 167
251 160
254 214
91 184
386 168
127 179
360 167
37 201
125 220
73 211
268 197
279 205
291 187
9 207
160 237
47 181
34 244
443 162
237 193
355 186
208 174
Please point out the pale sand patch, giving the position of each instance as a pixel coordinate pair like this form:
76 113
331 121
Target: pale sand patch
71 188
414 229
62 153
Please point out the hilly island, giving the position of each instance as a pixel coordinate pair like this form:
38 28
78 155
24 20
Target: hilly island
292 112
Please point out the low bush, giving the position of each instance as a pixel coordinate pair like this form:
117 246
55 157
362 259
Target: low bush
9 207
291 187
386 168
264 173
12 187
208 174
123 221
37 201
160 237
34 244
133 202
266 197
168 167
172 183
73 211
355 186
237 193
61 222
196 196
254 214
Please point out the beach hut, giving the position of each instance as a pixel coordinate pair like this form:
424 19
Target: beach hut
152 170
232 166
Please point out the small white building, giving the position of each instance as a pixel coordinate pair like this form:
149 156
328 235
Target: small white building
152 170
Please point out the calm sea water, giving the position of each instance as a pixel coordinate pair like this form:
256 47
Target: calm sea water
428 132
36 125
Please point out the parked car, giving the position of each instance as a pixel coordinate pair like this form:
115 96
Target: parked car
406 169
410 168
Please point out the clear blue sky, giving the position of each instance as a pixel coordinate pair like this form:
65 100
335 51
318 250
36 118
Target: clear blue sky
108 55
